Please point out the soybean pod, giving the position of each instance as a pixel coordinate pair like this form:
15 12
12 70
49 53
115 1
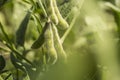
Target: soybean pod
58 45
49 44
51 12
62 23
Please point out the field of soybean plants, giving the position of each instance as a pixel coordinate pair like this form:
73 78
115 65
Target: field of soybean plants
59 39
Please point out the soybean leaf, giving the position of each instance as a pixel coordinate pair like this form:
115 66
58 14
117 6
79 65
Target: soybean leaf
37 23
39 42
42 7
117 20
116 12
2 2
113 7
22 66
29 2
1 78
17 63
4 71
20 34
32 1
26 1
2 63
27 78
8 77
30 71
5 34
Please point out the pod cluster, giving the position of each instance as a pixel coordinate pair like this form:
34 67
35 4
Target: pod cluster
49 38
55 15
52 44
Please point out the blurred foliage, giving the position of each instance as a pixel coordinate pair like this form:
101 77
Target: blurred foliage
92 41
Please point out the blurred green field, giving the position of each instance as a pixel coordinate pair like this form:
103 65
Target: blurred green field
91 43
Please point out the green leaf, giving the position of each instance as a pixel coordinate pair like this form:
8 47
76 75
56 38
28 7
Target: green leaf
2 63
16 62
37 23
1 78
39 42
26 78
116 12
29 2
23 66
20 34
26 1
42 7
8 77
117 20
113 7
2 2
31 72
5 34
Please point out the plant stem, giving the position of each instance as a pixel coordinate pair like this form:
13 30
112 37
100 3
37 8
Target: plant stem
72 23
110 5
3 71
1 48
5 34
40 3
12 48
8 76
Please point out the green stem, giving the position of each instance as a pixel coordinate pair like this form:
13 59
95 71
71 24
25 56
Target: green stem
8 76
3 71
12 48
115 8
69 29
5 34
72 23
40 3
17 74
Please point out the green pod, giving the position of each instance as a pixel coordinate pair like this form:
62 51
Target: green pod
62 22
39 42
58 45
51 11
49 44
2 62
